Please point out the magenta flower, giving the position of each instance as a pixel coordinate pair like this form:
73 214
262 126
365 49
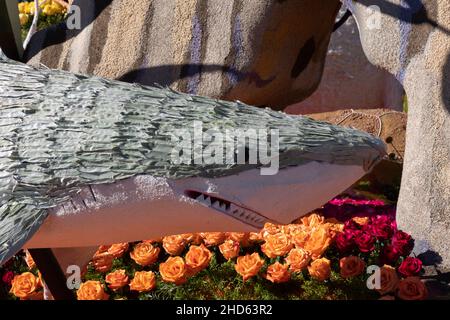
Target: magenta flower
410 267
381 226
351 225
365 241
389 255
403 243
345 241
7 277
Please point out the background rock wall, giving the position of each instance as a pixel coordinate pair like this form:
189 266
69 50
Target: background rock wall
350 80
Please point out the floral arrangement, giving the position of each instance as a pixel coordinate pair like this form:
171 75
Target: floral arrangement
52 12
317 257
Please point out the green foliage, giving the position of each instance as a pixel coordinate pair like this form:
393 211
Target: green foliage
220 281
44 21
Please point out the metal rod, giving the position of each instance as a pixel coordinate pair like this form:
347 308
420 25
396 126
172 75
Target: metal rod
10 33
52 274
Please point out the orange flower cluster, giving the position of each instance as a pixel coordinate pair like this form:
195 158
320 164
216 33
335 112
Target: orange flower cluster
296 247
301 245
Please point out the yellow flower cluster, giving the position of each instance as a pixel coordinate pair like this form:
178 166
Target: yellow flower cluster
48 8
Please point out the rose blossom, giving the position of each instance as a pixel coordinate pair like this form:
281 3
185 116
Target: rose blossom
388 280
25 285
7 277
351 266
297 259
143 281
345 241
320 269
410 267
118 249
174 245
197 258
351 225
402 243
278 273
249 265
389 255
412 288
312 220
242 238
92 290
144 254
212 239
365 241
174 270
116 279
229 249
276 245
102 262
380 226
362 221
318 241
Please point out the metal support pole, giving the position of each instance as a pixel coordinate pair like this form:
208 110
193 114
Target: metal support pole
10 34
52 274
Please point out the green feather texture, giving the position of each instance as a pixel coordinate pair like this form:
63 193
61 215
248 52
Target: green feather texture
60 132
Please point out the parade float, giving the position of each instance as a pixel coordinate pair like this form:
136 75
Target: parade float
225 233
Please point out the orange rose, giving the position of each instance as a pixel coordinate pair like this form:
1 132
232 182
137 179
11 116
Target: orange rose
103 248
361 220
116 279
249 265
412 288
102 262
118 249
320 269
174 245
269 228
213 238
312 220
351 266
242 238
25 285
291 229
29 260
335 226
298 259
255 237
276 245
388 280
193 238
91 290
229 249
278 273
174 270
144 254
300 237
197 258
143 281
318 241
